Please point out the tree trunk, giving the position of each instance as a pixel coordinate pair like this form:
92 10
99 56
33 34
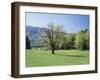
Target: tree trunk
53 51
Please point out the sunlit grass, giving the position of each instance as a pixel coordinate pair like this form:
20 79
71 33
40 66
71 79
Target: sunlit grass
61 57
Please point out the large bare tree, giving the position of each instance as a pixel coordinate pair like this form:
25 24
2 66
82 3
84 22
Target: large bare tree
53 36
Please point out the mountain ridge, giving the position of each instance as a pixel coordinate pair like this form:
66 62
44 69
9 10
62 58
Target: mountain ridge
34 35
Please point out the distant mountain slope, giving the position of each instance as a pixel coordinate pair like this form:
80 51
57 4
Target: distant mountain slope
34 34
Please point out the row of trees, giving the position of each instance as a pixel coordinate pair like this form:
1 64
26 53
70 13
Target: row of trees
56 38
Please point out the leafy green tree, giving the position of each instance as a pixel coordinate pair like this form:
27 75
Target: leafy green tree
82 40
53 36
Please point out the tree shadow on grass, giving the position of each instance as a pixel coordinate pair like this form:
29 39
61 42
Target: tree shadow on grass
70 55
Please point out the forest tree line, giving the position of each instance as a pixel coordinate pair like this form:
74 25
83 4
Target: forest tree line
56 38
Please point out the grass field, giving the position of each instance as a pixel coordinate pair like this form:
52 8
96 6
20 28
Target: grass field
61 57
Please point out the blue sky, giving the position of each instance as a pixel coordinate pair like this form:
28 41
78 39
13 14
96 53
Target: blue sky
71 22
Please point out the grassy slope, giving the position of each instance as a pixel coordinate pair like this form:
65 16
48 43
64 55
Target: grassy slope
62 57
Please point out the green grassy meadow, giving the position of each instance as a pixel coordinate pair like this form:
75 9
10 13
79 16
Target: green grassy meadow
38 58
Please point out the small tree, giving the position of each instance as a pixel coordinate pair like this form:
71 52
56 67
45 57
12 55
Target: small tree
53 36
28 44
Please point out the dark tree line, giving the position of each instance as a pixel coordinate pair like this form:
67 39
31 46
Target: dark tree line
28 44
